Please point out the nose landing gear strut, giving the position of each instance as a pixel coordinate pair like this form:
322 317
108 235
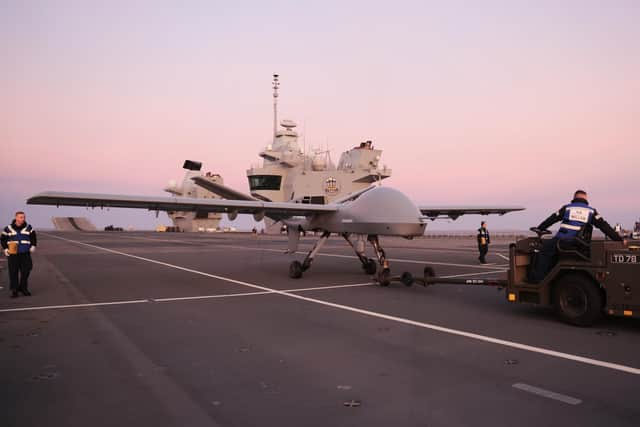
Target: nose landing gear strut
384 273
368 265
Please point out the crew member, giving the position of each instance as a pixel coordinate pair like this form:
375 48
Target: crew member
483 242
578 219
18 242
618 229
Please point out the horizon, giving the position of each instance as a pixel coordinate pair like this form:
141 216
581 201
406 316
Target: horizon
512 104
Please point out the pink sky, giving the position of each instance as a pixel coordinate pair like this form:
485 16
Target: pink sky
499 103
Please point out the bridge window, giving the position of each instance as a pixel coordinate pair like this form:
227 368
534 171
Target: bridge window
265 182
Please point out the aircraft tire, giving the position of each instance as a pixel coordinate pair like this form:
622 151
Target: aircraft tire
384 278
370 267
295 270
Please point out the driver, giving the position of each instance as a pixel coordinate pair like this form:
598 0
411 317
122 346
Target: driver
578 219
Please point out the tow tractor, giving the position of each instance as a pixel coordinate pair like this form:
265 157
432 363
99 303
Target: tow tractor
589 279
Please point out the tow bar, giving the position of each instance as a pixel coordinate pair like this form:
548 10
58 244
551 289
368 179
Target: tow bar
430 278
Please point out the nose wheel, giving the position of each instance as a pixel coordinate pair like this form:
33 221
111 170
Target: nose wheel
369 266
384 277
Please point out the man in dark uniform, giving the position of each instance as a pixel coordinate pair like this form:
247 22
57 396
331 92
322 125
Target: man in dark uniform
483 242
578 219
18 242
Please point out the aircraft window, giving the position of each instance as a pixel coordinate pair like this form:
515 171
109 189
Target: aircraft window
265 182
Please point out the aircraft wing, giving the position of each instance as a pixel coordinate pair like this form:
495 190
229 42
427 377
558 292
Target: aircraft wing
453 212
185 204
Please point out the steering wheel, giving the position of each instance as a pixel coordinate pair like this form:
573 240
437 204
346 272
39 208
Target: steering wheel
540 232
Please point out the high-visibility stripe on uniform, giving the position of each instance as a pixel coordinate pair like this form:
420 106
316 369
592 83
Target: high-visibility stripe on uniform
570 227
21 237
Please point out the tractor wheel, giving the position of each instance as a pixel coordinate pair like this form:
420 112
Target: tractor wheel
577 300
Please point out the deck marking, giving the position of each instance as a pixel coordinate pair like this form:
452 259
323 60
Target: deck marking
242 294
91 304
196 297
283 252
424 325
408 261
547 393
502 256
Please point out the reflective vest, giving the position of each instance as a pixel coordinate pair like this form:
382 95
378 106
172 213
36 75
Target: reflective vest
576 216
23 237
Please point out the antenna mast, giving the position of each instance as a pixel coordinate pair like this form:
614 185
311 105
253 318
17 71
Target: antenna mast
275 85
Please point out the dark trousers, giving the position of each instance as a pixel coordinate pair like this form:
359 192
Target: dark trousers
20 266
544 260
483 249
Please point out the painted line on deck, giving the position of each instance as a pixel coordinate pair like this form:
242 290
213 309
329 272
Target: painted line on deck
401 260
283 252
424 325
547 393
57 307
213 241
200 297
197 297
315 288
503 257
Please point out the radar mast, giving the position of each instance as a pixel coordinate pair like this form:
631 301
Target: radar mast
275 85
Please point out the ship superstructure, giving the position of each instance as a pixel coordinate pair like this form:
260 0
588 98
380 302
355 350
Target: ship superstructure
289 173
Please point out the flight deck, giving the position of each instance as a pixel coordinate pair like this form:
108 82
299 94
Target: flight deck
208 329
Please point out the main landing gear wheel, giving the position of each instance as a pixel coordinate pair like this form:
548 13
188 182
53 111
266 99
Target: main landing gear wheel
295 270
370 267
384 277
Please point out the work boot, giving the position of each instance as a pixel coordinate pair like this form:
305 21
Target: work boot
25 292
14 294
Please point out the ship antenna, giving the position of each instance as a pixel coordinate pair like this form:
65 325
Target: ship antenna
275 85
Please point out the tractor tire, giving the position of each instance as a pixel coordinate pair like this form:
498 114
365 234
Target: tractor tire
577 300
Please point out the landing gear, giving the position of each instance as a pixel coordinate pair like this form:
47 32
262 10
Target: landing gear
368 265
296 268
384 277
384 273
